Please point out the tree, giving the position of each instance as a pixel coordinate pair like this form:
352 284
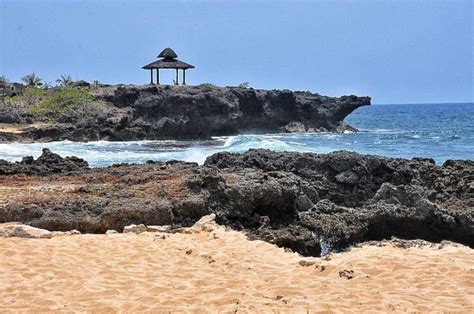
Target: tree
244 85
32 80
47 85
3 79
65 81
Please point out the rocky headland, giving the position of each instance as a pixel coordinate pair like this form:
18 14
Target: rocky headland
121 113
310 203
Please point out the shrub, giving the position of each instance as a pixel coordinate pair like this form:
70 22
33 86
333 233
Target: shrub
30 96
244 85
61 103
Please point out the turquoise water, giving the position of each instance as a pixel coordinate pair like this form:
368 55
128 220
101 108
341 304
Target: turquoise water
438 131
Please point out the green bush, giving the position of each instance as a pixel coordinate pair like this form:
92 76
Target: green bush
61 103
29 96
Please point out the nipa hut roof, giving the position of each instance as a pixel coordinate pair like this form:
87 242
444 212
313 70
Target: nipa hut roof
168 53
168 64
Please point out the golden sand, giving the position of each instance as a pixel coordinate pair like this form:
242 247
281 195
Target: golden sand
223 271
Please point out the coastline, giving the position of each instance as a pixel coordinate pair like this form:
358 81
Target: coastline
155 112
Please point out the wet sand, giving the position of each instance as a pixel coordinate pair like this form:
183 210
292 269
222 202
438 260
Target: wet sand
223 271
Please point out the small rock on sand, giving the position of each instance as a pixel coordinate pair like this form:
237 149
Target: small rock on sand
110 231
306 263
349 274
23 231
166 228
65 233
135 229
160 237
203 224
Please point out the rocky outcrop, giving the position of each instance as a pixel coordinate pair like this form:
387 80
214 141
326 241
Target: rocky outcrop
311 203
46 164
193 112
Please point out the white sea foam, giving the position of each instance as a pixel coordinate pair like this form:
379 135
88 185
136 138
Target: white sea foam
386 133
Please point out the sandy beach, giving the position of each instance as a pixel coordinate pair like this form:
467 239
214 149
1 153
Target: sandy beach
222 270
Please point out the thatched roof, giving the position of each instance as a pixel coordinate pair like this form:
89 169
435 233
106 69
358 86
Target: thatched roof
169 61
168 53
168 64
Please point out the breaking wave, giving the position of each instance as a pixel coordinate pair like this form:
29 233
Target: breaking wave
384 130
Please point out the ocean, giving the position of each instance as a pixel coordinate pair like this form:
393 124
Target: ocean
438 131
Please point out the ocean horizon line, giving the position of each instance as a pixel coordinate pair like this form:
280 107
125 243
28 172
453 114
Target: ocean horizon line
426 103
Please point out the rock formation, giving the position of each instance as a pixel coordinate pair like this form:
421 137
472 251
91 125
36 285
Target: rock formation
48 163
303 201
189 112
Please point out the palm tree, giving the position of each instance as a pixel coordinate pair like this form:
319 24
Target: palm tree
32 80
65 81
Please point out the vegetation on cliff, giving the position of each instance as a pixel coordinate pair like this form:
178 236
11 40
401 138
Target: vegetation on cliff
54 105
59 105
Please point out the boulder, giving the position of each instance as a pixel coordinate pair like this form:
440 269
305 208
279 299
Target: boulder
294 127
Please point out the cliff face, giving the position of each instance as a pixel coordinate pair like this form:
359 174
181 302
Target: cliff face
198 112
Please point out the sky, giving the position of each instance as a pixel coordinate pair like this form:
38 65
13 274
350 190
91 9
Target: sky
394 51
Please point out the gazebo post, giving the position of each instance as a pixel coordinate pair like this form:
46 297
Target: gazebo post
184 76
158 76
177 82
151 76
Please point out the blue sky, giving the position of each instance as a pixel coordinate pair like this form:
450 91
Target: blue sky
395 51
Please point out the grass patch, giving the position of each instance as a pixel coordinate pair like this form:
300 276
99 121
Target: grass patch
30 96
58 105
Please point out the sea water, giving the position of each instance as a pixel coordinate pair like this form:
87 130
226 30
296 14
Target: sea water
438 131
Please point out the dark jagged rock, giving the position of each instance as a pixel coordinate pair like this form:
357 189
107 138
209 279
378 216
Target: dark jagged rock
302 201
359 196
46 164
194 112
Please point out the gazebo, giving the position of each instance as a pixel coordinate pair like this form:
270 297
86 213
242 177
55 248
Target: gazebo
167 60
